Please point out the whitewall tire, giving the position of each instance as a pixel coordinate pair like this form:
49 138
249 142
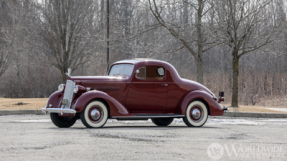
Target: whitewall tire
196 114
95 114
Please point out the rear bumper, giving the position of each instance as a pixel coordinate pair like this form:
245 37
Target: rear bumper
225 109
58 110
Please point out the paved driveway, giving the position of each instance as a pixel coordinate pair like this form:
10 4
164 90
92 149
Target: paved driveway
34 137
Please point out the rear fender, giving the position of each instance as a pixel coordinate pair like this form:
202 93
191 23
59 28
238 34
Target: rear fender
116 108
215 109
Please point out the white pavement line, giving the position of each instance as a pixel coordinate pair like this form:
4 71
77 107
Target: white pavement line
32 121
233 122
274 120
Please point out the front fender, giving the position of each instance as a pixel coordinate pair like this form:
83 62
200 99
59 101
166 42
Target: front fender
55 99
215 109
116 108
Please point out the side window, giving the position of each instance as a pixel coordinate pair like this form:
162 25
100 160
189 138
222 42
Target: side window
141 73
151 72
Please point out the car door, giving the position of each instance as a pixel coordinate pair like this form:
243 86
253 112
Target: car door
148 90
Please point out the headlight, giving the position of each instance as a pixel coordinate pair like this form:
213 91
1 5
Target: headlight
76 89
61 87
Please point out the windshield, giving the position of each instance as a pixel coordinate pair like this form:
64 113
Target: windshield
121 70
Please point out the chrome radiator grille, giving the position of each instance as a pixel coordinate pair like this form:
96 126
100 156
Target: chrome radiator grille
68 95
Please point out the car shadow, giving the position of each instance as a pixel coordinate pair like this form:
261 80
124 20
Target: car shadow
156 127
138 127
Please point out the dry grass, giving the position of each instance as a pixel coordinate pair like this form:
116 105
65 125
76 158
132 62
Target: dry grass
39 103
243 108
28 103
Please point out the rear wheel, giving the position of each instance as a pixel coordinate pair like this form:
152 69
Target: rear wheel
95 114
196 114
62 122
162 121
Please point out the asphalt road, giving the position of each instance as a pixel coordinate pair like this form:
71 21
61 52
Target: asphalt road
34 137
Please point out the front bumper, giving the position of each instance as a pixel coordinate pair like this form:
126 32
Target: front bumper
58 110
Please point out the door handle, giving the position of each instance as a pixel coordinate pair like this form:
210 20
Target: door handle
164 85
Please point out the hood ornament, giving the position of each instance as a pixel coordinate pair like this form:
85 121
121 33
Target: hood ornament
69 72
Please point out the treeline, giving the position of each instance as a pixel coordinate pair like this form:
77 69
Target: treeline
203 39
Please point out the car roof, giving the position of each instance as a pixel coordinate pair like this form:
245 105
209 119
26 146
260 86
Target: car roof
140 61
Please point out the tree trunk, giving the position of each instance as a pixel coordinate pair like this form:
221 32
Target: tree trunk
64 76
200 71
235 73
65 66
102 22
185 14
199 43
18 65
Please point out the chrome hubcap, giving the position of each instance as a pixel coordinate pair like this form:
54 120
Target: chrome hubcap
196 113
95 114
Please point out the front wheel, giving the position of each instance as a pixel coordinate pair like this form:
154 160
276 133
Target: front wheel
162 121
196 114
95 114
62 122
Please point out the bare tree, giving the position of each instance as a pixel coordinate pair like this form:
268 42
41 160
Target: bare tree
32 31
7 36
196 45
64 30
5 57
244 26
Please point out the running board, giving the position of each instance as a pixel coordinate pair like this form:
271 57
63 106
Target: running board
147 116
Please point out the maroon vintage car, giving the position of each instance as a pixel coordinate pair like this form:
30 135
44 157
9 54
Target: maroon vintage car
137 89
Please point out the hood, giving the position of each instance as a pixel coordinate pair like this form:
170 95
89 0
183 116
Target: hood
99 79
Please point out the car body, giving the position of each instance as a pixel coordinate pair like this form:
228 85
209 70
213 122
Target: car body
136 89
